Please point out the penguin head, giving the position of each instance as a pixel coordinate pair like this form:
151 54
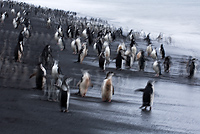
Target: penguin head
150 83
109 75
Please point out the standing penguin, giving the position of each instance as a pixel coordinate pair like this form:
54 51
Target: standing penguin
18 51
141 62
55 74
40 77
76 45
64 94
192 68
119 58
82 53
102 61
149 49
107 88
154 54
148 95
167 64
157 67
162 51
84 84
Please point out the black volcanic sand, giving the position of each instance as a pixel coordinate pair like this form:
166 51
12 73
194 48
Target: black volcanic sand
25 109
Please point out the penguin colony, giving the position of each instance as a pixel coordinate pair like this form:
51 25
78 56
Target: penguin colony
84 33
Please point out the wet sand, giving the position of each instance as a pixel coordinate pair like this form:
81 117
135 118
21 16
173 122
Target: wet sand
26 110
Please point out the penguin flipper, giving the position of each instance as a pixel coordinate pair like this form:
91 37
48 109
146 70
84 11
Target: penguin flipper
113 90
140 90
34 74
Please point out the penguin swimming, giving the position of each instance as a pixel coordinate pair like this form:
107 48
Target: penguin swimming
157 68
148 95
167 64
107 88
40 77
162 51
18 51
64 94
84 84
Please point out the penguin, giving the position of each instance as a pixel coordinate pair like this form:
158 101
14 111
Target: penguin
40 77
55 74
82 53
107 88
141 61
46 55
61 43
133 52
167 64
192 68
157 67
107 54
148 95
76 45
128 58
160 37
12 11
18 51
84 84
162 51
64 94
98 46
154 54
147 39
149 50
119 59
49 22
102 61
3 17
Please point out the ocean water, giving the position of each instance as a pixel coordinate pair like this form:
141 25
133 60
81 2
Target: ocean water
178 19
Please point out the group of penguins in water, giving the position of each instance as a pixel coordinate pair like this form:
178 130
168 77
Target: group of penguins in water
59 85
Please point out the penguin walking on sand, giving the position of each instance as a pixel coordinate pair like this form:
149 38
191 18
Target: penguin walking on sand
18 51
40 77
167 64
107 88
162 51
157 67
102 61
84 84
148 95
64 94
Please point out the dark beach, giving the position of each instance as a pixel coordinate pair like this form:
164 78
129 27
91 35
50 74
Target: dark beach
25 109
